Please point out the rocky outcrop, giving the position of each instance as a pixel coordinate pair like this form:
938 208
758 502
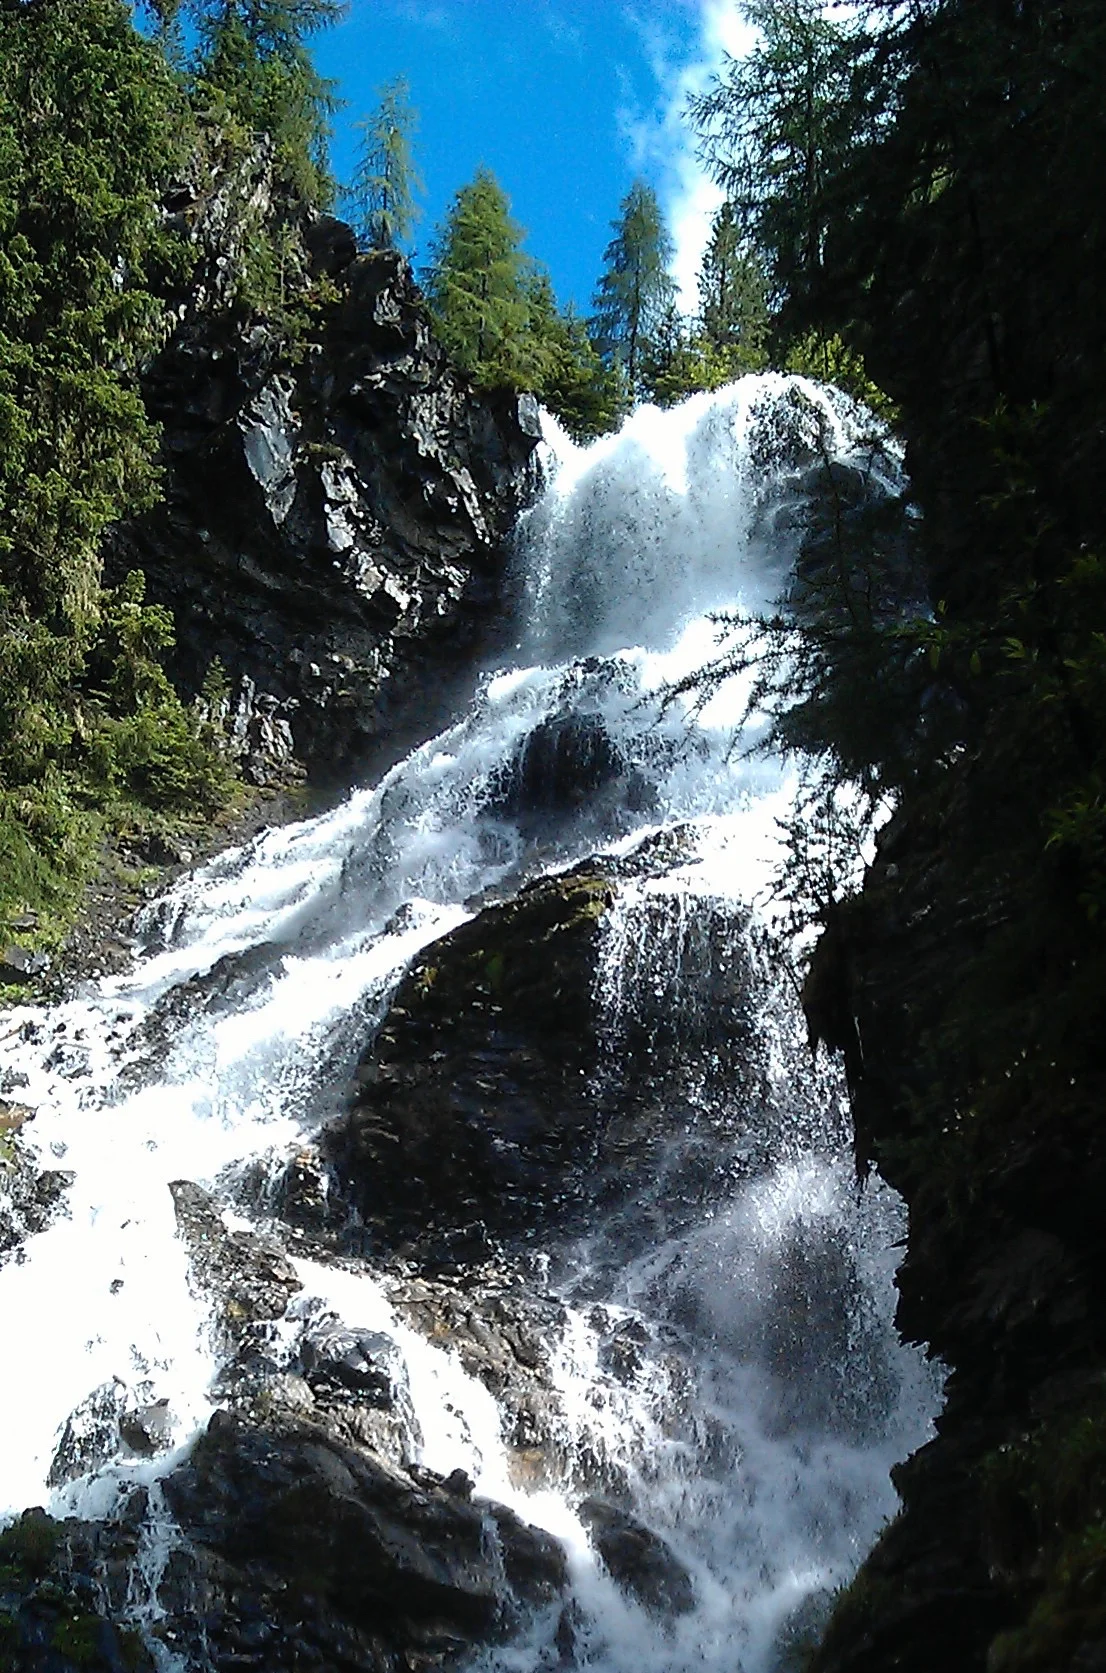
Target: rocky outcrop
931 984
473 1118
338 1558
642 1563
30 1196
336 495
490 1110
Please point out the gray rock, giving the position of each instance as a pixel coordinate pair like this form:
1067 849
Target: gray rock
20 964
247 1273
30 1196
361 1363
333 521
342 1534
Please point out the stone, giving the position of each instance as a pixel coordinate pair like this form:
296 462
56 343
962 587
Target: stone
20 964
335 520
641 1562
472 1119
363 1363
149 1430
30 1196
248 1274
341 1533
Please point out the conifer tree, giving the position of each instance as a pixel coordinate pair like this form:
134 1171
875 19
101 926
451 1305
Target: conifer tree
733 306
636 288
477 286
770 124
382 196
588 397
255 53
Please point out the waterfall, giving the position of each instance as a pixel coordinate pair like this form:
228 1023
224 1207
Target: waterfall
723 1369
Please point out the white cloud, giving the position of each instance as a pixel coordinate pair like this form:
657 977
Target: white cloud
662 143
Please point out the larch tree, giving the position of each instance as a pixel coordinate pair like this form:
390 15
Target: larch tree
636 289
770 124
255 55
478 288
386 182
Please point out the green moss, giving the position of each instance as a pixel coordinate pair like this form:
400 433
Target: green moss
27 1547
1044 1502
78 1637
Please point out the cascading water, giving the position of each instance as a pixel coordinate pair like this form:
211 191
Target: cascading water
759 1396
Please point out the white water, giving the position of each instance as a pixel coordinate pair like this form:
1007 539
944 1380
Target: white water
768 1474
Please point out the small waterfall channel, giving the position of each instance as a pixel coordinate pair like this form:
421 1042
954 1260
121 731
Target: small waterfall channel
720 1392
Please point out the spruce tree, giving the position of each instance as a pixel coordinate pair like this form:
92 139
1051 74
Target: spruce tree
733 306
636 288
382 195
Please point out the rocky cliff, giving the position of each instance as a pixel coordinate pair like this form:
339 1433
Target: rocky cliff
337 499
961 989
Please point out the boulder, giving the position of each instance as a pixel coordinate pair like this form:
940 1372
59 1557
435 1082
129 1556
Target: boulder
20 964
473 1120
325 1538
30 1196
641 1562
248 1274
507 1095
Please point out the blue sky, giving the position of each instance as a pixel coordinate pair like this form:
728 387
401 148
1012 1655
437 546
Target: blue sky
565 100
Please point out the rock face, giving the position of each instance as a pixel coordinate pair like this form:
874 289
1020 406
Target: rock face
995 1561
516 1089
337 496
30 1197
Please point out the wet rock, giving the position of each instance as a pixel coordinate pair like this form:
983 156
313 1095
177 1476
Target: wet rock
149 1430
567 760
30 1197
333 1533
247 1273
472 1120
20 964
64 1603
640 1561
362 1363
500 1100
90 1435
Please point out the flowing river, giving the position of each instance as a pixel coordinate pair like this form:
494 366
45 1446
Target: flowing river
755 1430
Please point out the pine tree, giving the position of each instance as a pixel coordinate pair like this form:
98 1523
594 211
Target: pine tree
636 289
477 286
382 196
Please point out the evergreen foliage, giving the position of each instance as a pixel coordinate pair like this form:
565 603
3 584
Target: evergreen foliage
495 311
254 55
733 305
386 181
91 124
636 290
769 126
477 287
